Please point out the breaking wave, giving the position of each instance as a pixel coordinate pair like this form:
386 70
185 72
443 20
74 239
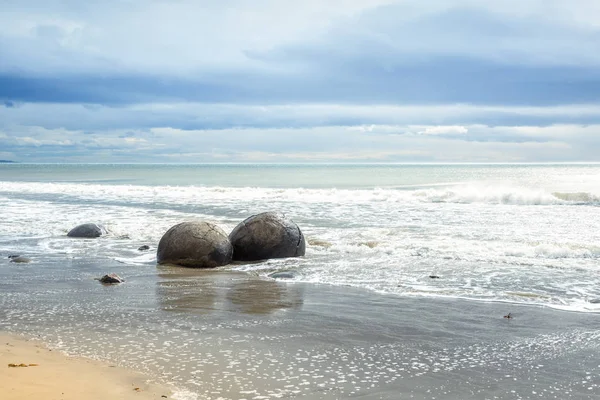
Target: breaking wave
460 194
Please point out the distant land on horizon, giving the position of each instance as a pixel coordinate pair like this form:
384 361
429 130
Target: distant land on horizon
7 161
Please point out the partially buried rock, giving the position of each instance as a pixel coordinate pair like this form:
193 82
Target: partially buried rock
87 231
20 260
195 244
144 248
111 279
283 275
267 235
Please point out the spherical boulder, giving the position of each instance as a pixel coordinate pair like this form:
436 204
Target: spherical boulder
267 235
87 231
195 244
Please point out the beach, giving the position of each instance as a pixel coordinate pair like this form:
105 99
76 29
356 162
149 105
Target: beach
402 293
45 374
239 336
299 200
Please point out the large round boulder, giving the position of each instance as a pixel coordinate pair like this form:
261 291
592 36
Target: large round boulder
267 235
195 244
87 231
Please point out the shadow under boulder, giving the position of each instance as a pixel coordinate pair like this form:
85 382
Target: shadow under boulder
87 231
195 244
267 235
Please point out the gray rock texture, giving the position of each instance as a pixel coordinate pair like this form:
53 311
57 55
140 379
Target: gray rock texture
111 279
196 244
267 235
87 231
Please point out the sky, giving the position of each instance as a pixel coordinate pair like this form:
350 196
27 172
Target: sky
203 81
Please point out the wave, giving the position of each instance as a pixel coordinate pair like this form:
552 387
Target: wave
462 194
577 197
506 195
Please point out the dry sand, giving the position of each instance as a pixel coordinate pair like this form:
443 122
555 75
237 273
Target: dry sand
57 376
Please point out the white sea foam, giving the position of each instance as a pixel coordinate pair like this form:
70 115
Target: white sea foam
190 195
180 394
483 240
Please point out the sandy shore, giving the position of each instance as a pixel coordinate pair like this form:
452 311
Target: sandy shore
52 375
230 335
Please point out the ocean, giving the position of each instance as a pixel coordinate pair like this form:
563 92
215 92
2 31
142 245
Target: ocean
362 316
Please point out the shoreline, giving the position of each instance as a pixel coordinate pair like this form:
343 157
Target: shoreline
50 374
335 343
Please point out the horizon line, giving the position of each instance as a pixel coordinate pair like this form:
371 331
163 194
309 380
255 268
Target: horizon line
312 163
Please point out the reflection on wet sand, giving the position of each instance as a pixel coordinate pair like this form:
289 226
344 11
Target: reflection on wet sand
206 291
257 296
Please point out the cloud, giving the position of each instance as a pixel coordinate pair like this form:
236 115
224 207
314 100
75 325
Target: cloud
444 130
381 51
389 80
323 144
158 35
177 37
200 116
26 140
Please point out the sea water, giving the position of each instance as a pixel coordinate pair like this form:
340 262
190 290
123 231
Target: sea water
519 235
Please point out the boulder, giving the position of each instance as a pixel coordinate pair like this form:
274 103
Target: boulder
111 279
87 231
144 248
267 235
196 244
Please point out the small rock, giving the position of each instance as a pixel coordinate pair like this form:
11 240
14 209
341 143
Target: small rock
14 256
20 260
595 301
111 279
434 277
282 275
144 247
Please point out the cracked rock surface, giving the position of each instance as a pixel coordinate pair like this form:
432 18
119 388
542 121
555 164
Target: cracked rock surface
267 235
195 244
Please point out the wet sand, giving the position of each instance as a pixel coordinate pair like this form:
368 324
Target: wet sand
51 375
231 335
